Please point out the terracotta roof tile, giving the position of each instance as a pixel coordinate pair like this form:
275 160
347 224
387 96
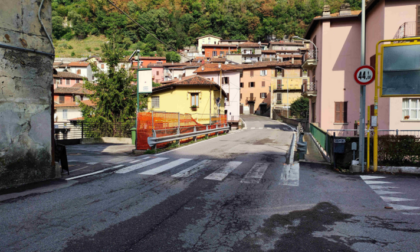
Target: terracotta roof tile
75 89
337 14
226 46
249 45
67 75
207 68
78 64
73 104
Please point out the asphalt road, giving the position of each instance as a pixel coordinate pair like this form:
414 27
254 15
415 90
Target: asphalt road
230 193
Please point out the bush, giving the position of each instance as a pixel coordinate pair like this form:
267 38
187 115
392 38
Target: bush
399 150
68 36
88 49
96 49
64 45
73 54
70 47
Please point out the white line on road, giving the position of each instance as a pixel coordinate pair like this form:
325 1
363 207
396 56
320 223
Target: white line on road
402 208
260 128
253 128
390 199
191 170
93 173
139 166
92 163
364 177
224 171
135 161
376 182
290 175
165 167
256 173
381 192
376 187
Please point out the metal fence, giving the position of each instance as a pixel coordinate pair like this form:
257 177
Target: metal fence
381 132
80 130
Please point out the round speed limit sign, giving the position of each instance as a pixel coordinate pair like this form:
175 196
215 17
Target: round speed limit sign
364 75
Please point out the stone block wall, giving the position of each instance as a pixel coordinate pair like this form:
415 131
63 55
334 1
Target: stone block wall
25 94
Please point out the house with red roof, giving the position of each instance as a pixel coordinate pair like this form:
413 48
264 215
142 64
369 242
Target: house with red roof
67 100
81 68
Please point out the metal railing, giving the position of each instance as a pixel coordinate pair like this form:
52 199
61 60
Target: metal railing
381 132
310 86
80 130
177 135
406 30
310 55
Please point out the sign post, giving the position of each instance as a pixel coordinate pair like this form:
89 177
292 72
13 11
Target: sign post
362 92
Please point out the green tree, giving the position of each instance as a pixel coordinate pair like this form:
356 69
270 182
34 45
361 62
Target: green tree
173 57
300 107
113 94
58 28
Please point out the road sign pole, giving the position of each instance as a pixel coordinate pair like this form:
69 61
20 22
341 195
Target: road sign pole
362 94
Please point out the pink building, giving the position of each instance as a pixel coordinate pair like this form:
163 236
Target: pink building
66 79
334 95
230 77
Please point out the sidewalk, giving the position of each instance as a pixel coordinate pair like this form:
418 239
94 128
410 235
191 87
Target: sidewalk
313 155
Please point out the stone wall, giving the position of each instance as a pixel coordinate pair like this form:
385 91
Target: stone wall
25 93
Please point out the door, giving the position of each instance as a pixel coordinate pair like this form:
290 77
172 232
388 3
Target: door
313 112
251 108
241 109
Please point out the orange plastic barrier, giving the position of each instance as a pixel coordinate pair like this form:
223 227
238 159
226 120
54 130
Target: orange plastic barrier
166 123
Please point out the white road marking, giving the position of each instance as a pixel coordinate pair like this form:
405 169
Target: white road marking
290 175
135 161
139 166
253 128
92 163
412 213
191 170
146 158
165 167
93 173
224 171
390 199
260 128
381 192
402 208
374 182
376 187
364 177
256 173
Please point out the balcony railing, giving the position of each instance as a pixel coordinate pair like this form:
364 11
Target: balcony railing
406 30
250 99
310 55
309 89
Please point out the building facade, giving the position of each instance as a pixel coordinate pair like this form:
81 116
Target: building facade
207 39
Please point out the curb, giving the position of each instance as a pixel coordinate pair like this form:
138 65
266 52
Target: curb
400 169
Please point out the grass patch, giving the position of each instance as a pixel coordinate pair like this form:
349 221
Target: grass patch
81 48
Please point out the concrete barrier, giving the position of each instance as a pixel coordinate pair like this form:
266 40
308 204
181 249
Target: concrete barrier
114 140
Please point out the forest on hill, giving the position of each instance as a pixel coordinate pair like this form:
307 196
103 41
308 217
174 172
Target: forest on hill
179 22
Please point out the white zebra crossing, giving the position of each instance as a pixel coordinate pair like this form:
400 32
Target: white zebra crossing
193 169
224 171
140 165
256 173
165 167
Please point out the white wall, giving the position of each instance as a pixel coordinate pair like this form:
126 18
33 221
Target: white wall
72 112
84 71
205 41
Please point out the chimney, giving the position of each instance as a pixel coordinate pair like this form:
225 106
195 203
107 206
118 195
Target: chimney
345 9
326 12
293 60
220 65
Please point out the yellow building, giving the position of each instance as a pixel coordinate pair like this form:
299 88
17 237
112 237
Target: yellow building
193 95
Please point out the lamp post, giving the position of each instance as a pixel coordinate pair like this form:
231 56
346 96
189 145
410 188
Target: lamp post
316 48
137 91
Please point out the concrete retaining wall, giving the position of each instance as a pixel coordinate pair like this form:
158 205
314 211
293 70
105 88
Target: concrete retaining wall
114 140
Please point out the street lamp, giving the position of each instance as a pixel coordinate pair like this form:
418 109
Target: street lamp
316 48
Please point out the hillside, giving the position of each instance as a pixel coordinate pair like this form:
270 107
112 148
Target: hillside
178 22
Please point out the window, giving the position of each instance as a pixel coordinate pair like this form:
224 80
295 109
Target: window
227 97
251 84
58 81
225 80
79 71
279 84
263 95
157 73
64 114
77 81
340 112
263 72
242 85
279 98
214 53
263 84
61 99
102 66
67 81
252 73
411 109
214 42
194 99
155 101
241 96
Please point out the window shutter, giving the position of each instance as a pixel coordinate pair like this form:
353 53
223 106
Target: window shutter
418 20
263 83
241 96
252 73
251 96
228 97
305 81
275 72
373 61
344 112
282 72
249 84
337 112
61 97
300 72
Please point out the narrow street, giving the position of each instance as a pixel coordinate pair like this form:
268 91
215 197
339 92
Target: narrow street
228 193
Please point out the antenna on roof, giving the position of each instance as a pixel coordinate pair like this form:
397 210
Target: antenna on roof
220 65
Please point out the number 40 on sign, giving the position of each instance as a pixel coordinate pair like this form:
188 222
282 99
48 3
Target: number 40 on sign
364 75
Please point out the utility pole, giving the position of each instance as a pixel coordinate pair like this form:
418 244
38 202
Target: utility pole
362 93
137 91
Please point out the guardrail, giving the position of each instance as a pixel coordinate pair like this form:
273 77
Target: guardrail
154 140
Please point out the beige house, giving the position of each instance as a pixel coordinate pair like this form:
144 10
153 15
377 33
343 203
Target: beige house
207 40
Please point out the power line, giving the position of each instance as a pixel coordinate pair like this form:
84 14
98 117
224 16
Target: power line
170 47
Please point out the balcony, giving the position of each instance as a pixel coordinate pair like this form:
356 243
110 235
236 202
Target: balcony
250 99
310 60
309 90
406 30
